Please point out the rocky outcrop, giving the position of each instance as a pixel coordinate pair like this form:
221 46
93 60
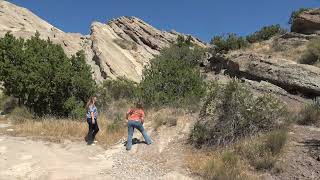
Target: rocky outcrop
307 22
22 23
119 48
290 76
123 46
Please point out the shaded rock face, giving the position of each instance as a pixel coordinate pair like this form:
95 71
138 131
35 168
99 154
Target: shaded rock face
308 22
120 48
290 76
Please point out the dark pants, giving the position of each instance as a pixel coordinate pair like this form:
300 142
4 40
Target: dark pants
93 130
136 125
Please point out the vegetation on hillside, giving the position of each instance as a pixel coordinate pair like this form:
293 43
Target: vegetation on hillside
47 82
235 162
296 13
231 113
311 55
265 33
310 114
173 77
223 44
42 77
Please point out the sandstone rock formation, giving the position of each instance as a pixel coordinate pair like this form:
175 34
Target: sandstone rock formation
307 22
119 48
292 77
123 46
22 23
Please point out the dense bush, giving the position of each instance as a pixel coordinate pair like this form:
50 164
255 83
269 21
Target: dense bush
117 89
296 13
42 77
310 114
173 77
312 54
223 44
266 33
231 113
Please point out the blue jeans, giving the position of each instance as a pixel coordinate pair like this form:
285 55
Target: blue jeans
131 126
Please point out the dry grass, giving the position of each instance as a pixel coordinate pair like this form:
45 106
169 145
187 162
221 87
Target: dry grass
164 117
244 160
309 115
111 124
222 164
279 49
59 129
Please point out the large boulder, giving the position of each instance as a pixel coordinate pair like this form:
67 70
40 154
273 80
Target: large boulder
307 22
290 76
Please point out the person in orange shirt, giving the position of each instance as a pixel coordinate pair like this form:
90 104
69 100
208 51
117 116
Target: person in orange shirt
135 117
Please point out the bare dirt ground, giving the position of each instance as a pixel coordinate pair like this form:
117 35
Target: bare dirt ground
24 158
27 158
301 160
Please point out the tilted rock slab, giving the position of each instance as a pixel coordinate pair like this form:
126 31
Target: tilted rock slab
308 22
123 46
293 77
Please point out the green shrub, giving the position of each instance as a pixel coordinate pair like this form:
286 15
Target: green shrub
266 33
113 90
309 114
223 44
199 135
231 113
75 108
312 53
296 13
41 76
173 77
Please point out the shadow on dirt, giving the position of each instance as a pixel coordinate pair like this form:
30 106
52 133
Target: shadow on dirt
313 146
135 141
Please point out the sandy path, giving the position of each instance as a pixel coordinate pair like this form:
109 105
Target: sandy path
23 158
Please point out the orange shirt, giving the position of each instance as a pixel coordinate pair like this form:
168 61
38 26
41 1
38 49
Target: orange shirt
135 114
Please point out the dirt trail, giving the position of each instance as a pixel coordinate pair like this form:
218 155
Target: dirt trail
23 158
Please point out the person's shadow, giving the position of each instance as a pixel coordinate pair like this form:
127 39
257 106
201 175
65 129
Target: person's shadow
135 141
